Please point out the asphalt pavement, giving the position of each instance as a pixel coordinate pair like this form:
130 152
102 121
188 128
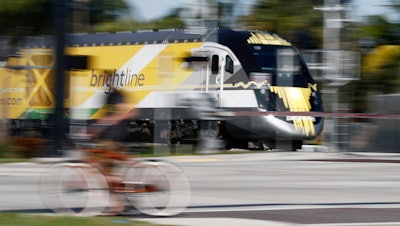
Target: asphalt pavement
37 166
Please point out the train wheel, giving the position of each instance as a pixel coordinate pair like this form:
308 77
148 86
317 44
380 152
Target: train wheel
297 144
240 144
209 136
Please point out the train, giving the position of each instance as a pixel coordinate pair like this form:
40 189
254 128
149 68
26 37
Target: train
185 83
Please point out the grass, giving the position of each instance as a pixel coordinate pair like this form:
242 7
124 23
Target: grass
14 219
145 151
13 160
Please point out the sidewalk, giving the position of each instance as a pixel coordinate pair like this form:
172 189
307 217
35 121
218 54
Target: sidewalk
212 221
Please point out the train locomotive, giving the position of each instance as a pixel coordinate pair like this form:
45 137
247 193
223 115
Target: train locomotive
219 82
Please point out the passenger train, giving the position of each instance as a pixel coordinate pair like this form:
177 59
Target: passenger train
184 83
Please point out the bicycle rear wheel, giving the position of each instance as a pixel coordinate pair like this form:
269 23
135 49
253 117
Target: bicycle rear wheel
74 189
159 188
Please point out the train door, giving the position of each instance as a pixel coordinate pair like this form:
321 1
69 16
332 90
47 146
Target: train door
215 66
199 62
206 63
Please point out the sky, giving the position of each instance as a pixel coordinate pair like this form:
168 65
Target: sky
153 9
364 8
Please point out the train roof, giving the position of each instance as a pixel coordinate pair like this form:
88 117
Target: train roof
223 36
118 38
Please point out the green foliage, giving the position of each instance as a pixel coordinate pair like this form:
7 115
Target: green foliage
122 25
379 29
35 17
280 17
24 17
384 79
166 23
7 152
170 22
3 148
107 11
380 63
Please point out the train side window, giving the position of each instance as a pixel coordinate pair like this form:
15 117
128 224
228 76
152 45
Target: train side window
229 64
214 64
75 62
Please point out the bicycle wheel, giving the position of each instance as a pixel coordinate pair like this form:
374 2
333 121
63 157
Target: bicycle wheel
74 189
160 188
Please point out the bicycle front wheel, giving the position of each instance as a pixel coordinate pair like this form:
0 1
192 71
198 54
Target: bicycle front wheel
74 189
158 188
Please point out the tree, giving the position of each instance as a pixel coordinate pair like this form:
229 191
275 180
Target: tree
379 39
25 17
380 30
171 21
289 20
107 11
35 17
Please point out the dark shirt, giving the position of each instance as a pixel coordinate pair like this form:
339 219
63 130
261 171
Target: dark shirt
115 97
118 132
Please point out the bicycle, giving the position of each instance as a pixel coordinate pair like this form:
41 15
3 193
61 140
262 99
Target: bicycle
155 188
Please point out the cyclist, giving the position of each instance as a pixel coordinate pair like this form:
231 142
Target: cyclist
109 132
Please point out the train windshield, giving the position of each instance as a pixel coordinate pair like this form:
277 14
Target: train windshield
280 66
282 63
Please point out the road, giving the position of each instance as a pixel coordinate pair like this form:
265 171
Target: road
294 187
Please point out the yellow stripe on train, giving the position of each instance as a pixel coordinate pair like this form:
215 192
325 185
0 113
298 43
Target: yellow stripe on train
296 99
137 70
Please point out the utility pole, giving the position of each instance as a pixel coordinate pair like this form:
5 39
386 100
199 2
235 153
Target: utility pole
59 113
332 11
